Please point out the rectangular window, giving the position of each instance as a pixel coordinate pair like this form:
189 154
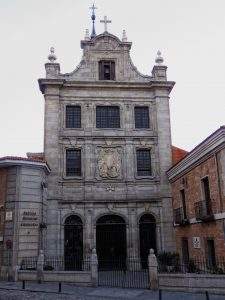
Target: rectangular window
73 116
206 191
73 162
143 162
106 70
183 199
141 117
107 117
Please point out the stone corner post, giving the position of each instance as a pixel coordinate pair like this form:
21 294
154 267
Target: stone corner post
94 267
40 266
153 270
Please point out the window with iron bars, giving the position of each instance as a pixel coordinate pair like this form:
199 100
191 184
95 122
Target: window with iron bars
144 162
141 114
107 117
73 162
73 116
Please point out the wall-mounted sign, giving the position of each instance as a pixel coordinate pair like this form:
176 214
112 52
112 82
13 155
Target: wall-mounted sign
8 215
196 242
29 218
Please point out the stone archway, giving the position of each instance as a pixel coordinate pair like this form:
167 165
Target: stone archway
73 243
111 240
147 236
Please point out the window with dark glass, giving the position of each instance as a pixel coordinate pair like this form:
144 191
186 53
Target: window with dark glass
107 117
143 162
183 199
73 116
73 162
206 191
141 116
106 70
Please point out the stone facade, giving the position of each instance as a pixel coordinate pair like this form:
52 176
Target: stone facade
98 192
205 161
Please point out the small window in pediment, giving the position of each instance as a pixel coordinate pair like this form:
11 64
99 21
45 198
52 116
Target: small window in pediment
106 70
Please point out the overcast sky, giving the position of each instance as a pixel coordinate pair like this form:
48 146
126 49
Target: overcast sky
190 35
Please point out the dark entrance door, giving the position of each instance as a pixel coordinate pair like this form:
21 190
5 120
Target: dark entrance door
73 245
211 253
147 231
185 250
111 241
185 253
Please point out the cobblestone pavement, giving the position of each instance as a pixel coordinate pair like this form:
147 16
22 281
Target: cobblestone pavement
49 291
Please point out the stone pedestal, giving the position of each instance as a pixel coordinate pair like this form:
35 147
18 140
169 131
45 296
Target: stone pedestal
153 270
94 267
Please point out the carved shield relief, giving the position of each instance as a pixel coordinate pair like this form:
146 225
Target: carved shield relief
109 163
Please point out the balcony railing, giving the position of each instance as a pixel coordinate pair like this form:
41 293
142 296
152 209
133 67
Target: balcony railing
179 217
203 211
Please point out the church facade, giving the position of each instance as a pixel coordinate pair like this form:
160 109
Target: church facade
107 141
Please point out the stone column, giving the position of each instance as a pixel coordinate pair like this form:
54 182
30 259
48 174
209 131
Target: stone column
153 270
94 268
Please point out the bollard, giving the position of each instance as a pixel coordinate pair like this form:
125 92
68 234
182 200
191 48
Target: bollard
207 295
60 287
23 287
160 294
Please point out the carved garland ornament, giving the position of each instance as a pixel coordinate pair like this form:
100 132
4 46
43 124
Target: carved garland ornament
109 163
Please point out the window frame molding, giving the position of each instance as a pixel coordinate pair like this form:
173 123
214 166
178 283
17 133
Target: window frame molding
134 118
63 120
82 159
108 59
121 110
150 112
153 168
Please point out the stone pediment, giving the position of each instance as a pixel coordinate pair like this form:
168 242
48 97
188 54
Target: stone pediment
106 47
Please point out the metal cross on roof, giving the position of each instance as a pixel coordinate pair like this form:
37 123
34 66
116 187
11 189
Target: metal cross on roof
105 21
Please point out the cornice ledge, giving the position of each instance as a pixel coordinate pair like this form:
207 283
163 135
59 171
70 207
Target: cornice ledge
209 145
50 81
8 163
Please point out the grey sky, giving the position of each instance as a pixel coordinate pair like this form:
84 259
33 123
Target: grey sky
190 35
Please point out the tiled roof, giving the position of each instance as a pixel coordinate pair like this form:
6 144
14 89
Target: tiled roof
178 154
22 159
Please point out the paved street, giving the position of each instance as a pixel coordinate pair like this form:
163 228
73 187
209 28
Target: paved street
49 291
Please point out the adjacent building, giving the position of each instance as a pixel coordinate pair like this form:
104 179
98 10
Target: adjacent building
198 190
22 210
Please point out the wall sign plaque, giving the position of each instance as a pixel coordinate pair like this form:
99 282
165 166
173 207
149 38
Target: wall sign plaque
196 242
29 218
8 216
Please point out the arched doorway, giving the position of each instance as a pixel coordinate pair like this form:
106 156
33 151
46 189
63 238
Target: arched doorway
111 240
147 233
73 243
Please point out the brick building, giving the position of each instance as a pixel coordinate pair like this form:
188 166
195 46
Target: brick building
198 191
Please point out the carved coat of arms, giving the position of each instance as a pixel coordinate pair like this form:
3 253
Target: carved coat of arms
109 163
